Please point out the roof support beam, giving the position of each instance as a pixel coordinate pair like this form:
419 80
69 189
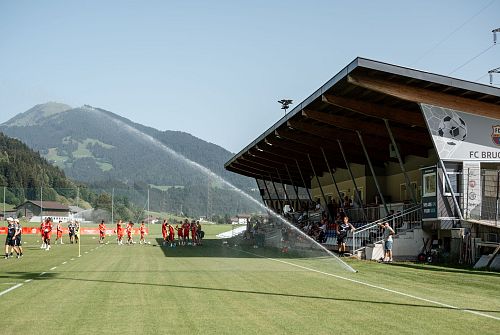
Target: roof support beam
255 170
369 128
376 110
376 143
314 147
268 166
421 95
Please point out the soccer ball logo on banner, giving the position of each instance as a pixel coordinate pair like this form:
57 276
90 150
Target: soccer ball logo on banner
453 127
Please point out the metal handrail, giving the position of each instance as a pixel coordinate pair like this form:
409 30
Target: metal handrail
371 231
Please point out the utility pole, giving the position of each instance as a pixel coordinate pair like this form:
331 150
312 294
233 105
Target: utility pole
497 70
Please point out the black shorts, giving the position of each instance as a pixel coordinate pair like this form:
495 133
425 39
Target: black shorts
18 240
10 241
341 238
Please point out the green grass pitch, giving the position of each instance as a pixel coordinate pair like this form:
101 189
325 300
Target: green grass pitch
215 289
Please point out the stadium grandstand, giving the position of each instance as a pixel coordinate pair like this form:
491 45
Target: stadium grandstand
381 142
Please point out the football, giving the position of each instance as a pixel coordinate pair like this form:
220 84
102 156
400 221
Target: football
453 127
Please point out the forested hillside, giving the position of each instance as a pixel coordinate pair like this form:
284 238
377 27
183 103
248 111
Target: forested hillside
24 173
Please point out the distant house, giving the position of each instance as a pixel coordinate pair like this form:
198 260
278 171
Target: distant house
240 219
53 209
75 210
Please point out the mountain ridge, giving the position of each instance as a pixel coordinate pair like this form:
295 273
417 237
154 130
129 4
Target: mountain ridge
96 146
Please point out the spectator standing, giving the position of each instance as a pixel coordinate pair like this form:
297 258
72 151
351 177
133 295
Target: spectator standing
388 240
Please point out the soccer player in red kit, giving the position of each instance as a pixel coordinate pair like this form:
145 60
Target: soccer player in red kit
171 235
142 230
43 246
179 233
185 233
194 235
102 231
47 232
119 231
130 225
164 231
59 230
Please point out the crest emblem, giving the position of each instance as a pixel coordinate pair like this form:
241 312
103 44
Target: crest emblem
495 135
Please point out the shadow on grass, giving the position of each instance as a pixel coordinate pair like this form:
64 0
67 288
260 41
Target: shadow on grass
216 248
446 268
276 294
28 275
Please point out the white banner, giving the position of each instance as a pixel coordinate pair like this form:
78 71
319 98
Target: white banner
472 189
460 136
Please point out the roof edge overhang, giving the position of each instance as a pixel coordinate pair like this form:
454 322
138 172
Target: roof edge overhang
369 64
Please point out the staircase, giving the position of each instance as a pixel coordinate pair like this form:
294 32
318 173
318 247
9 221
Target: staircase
371 235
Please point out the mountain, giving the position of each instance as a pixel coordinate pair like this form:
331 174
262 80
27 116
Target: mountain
96 146
35 115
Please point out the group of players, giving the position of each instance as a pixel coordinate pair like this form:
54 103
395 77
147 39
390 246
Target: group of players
121 230
13 240
187 234
46 228
183 232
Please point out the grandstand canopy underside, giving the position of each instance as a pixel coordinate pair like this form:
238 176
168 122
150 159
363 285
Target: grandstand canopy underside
367 99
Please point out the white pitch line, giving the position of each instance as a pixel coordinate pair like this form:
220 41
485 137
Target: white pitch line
10 289
55 267
28 280
379 287
41 274
64 263
72 259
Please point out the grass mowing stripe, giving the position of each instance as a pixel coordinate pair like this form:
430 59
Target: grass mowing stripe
10 289
377 287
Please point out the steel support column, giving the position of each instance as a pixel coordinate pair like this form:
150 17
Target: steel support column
303 181
401 164
268 193
262 195
320 187
287 198
352 179
333 179
373 172
295 188
277 195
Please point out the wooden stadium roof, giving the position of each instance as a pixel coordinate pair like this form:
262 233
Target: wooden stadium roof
358 98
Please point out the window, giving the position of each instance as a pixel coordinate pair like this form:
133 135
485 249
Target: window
455 182
429 187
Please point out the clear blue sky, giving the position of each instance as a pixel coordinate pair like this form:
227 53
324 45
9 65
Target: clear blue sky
216 69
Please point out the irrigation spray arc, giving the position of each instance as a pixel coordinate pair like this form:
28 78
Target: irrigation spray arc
209 173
